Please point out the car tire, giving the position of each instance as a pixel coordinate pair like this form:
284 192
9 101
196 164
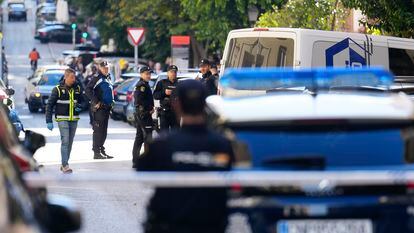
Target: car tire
10 19
33 109
115 116
43 41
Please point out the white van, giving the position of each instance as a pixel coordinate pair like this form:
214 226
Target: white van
292 47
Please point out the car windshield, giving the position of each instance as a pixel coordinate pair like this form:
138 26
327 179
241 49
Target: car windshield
125 85
17 6
50 79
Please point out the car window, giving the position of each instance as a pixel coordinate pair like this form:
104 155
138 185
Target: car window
125 85
50 79
17 6
134 82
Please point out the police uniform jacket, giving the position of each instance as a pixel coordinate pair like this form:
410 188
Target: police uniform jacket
159 93
144 101
210 83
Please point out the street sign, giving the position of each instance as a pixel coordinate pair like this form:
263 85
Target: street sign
136 34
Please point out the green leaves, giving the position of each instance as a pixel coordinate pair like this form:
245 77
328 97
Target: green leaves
312 14
394 17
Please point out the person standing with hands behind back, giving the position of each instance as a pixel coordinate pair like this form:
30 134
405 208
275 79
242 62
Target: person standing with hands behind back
100 92
144 108
65 99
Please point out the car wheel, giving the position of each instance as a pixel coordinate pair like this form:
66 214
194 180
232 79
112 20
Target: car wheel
32 109
43 41
114 116
10 19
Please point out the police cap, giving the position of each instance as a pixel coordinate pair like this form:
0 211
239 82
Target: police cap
191 95
172 67
144 69
204 61
103 64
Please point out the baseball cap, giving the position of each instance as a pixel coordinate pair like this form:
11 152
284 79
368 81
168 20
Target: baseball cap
172 67
204 61
191 95
145 69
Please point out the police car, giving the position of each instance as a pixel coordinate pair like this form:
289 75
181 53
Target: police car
327 121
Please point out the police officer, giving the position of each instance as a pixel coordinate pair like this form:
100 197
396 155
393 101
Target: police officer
208 79
164 92
144 108
194 147
99 91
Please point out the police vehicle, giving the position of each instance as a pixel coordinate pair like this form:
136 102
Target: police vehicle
327 121
304 48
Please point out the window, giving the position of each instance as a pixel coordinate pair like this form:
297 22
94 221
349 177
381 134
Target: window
50 79
401 61
260 52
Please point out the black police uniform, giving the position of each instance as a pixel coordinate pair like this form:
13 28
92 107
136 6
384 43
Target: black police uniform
192 148
144 105
167 116
99 90
210 83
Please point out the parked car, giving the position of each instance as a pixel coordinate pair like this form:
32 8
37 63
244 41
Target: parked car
17 11
311 123
26 209
58 33
40 88
124 95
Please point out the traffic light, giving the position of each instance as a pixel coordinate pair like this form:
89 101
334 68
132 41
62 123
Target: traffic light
74 26
85 35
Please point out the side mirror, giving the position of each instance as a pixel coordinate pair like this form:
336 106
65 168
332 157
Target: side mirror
10 91
34 83
33 141
59 215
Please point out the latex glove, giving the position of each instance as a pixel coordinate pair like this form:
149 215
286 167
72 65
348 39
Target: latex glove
50 126
78 109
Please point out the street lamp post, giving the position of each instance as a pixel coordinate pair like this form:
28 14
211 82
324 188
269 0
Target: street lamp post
253 13
74 35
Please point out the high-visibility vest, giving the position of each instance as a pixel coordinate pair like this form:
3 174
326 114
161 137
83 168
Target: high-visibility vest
65 105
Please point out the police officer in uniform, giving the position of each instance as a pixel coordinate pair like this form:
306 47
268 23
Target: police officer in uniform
164 92
208 79
144 108
193 147
99 90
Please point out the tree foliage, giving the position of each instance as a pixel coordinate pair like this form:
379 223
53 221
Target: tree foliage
206 21
394 17
312 14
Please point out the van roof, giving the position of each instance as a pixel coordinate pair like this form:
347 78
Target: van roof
318 33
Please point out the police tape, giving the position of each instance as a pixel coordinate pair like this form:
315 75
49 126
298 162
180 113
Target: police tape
317 179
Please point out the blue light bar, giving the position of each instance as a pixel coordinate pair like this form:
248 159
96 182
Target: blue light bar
318 78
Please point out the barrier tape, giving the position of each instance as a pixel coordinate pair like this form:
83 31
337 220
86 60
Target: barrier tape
318 179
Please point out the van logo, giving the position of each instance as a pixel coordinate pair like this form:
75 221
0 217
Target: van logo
351 59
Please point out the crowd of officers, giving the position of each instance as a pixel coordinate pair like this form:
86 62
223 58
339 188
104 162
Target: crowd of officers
185 143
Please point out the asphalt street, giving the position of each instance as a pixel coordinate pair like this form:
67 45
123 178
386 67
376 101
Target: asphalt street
109 207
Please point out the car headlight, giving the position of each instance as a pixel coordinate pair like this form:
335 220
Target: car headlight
37 95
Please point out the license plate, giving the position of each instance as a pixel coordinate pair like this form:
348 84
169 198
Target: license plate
122 97
325 226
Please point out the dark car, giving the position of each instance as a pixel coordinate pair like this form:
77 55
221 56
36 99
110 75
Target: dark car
345 138
17 11
39 89
123 96
58 33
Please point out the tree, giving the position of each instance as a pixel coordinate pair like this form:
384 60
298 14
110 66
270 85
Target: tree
312 14
395 17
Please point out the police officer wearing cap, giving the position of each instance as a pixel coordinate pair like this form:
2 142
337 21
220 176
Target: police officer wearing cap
100 91
164 92
208 79
144 108
193 147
